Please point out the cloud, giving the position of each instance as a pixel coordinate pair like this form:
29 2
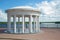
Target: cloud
46 7
50 10
3 16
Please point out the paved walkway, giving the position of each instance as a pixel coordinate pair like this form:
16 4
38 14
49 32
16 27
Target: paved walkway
45 34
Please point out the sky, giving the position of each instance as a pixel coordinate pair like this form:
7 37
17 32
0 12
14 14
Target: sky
50 9
6 4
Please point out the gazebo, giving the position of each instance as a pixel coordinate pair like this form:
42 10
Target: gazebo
20 12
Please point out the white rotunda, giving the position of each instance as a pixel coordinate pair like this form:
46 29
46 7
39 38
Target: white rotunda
23 12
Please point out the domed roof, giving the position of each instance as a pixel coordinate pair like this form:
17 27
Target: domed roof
25 8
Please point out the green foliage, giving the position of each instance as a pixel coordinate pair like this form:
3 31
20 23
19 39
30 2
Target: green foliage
3 22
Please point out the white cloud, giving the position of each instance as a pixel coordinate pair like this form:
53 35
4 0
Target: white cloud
51 10
3 16
46 7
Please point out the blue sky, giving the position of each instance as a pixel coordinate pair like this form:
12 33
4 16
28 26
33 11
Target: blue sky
48 8
6 4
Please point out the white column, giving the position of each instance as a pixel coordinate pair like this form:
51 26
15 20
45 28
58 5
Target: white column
29 24
36 24
23 23
9 23
14 19
30 19
19 24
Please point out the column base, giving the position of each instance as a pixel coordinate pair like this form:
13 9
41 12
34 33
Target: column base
20 32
